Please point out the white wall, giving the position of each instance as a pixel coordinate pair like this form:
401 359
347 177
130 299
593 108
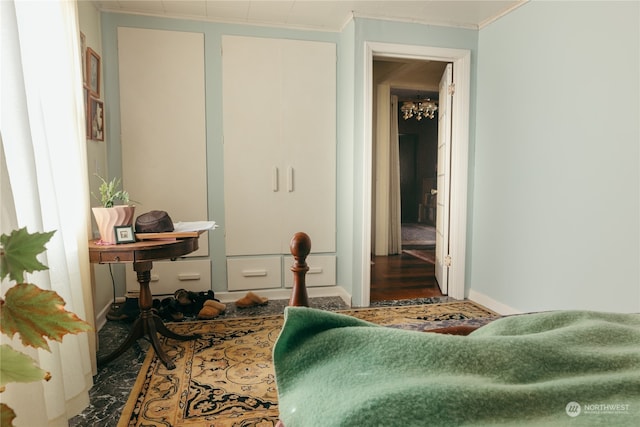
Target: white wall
557 184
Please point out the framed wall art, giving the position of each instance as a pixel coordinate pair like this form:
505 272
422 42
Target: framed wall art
96 119
93 72
87 112
83 55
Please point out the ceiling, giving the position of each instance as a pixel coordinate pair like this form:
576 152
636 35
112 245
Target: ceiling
320 15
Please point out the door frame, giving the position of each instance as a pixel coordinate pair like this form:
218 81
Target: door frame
461 59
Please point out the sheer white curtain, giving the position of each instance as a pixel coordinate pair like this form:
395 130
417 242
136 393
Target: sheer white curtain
395 220
44 187
386 221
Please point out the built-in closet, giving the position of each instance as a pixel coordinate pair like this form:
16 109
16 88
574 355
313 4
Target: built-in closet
163 139
279 127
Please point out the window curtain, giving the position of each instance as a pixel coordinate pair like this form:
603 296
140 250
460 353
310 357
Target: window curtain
395 220
386 221
45 187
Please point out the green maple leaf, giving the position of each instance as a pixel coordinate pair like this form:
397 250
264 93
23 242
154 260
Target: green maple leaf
17 367
6 415
19 251
36 313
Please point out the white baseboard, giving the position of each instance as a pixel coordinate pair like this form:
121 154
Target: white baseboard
101 316
492 304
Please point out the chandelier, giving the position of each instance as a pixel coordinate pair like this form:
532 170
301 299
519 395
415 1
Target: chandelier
420 108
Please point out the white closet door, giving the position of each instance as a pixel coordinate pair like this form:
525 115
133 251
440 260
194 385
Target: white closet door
309 112
163 128
252 145
279 101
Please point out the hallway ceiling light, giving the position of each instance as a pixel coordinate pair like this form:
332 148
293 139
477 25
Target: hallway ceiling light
420 108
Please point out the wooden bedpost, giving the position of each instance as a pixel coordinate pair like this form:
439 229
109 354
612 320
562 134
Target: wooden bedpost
300 247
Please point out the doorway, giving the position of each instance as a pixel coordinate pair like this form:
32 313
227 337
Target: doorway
459 139
403 263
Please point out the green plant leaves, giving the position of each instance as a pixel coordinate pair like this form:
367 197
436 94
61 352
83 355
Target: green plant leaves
18 253
6 415
35 313
17 367
109 192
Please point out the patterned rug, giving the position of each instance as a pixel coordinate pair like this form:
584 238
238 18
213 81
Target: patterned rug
226 378
428 255
418 235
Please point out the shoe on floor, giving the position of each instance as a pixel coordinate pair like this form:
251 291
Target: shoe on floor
251 300
215 304
208 313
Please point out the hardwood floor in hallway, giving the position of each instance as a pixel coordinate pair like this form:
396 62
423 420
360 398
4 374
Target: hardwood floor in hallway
403 276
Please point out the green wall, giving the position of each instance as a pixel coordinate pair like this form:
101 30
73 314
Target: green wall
350 137
557 185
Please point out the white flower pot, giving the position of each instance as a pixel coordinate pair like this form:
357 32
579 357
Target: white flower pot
107 218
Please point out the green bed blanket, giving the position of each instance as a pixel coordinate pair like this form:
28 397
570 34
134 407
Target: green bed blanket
555 368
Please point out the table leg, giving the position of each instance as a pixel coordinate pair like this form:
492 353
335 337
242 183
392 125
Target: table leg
148 323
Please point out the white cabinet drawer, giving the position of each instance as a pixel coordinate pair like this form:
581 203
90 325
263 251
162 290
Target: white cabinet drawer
322 271
254 273
169 276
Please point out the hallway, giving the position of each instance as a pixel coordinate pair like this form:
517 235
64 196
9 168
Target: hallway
403 276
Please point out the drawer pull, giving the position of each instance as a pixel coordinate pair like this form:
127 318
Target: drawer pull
254 273
154 278
314 270
188 276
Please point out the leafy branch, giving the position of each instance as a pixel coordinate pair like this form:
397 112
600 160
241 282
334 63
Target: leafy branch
33 313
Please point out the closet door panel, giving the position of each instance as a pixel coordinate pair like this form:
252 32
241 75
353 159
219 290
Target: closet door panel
253 172
289 150
309 70
163 128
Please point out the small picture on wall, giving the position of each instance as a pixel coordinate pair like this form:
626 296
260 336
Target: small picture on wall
93 72
96 117
83 53
87 112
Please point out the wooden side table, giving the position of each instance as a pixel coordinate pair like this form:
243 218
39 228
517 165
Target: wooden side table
142 254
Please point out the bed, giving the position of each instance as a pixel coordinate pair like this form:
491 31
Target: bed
541 369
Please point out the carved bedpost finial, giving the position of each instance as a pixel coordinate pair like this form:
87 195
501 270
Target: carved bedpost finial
300 247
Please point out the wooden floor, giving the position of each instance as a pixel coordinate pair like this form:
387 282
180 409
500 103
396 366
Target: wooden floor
402 277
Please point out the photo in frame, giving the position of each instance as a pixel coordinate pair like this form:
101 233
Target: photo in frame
93 72
96 119
83 55
124 234
87 112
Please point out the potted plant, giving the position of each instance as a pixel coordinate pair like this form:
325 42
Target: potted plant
110 214
31 312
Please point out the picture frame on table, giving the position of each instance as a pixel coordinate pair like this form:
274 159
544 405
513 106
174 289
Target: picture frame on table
95 122
124 234
93 72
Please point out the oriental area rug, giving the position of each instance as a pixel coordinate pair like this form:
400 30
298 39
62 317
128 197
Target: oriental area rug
226 378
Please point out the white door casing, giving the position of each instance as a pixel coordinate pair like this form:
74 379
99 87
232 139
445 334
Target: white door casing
461 59
445 100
